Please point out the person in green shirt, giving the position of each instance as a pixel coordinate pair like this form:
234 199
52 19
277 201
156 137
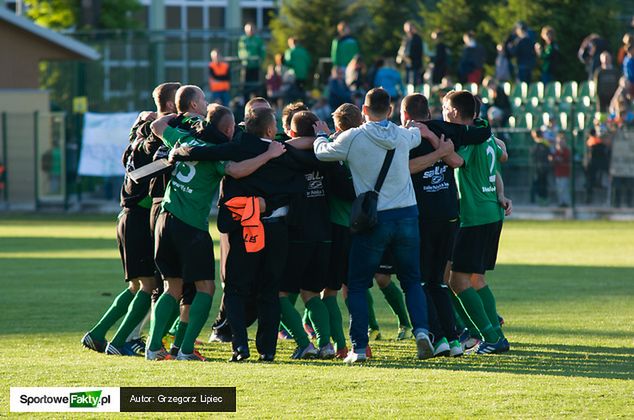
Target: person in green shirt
184 249
344 47
296 57
251 51
482 210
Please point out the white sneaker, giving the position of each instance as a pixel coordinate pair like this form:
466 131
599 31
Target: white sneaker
353 358
455 349
425 349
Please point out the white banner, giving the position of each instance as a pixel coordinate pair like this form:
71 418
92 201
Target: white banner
105 138
623 154
56 400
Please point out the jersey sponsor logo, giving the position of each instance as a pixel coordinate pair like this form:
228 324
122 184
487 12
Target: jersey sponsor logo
436 177
489 189
315 185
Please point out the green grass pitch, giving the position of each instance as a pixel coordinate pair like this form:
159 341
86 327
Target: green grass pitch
566 290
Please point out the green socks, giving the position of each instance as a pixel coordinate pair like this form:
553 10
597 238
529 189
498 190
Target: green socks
180 334
165 306
136 312
198 314
394 298
372 322
488 301
292 321
463 318
336 324
473 306
318 314
172 323
117 309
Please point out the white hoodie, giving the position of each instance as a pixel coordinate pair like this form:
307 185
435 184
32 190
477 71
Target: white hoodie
364 148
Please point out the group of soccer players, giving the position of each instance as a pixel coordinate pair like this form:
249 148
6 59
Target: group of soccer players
284 217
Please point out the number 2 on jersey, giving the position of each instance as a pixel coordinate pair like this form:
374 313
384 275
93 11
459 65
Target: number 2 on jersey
492 167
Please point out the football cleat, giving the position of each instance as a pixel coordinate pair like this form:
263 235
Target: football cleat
342 353
374 334
491 348
442 348
157 355
403 333
137 345
193 357
308 352
327 351
93 344
240 354
455 349
310 331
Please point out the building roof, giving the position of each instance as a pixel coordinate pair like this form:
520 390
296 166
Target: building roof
51 36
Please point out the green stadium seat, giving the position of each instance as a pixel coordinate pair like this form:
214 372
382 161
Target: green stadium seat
570 90
553 91
536 90
587 88
520 91
533 105
516 105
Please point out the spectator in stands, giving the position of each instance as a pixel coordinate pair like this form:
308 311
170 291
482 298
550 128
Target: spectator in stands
628 39
589 52
540 153
471 67
356 74
499 105
389 78
606 80
548 54
344 47
628 70
440 61
597 160
523 49
338 92
411 54
502 65
273 82
219 78
560 159
297 58
251 52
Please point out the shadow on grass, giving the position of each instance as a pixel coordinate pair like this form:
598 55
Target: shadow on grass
527 359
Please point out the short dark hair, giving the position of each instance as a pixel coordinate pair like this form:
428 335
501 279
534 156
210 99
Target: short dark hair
258 120
290 110
257 100
164 93
416 106
303 122
185 95
378 101
347 116
216 112
463 102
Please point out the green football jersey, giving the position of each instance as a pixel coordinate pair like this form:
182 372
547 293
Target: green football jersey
190 190
476 184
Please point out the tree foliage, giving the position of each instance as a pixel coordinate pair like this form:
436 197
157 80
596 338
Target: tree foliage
493 21
67 14
381 31
313 22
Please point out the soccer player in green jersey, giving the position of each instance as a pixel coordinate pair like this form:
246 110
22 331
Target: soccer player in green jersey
183 247
482 210
135 241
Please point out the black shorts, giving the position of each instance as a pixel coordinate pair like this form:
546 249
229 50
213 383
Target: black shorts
339 255
135 243
436 245
307 267
155 210
182 250
476 248
387 264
